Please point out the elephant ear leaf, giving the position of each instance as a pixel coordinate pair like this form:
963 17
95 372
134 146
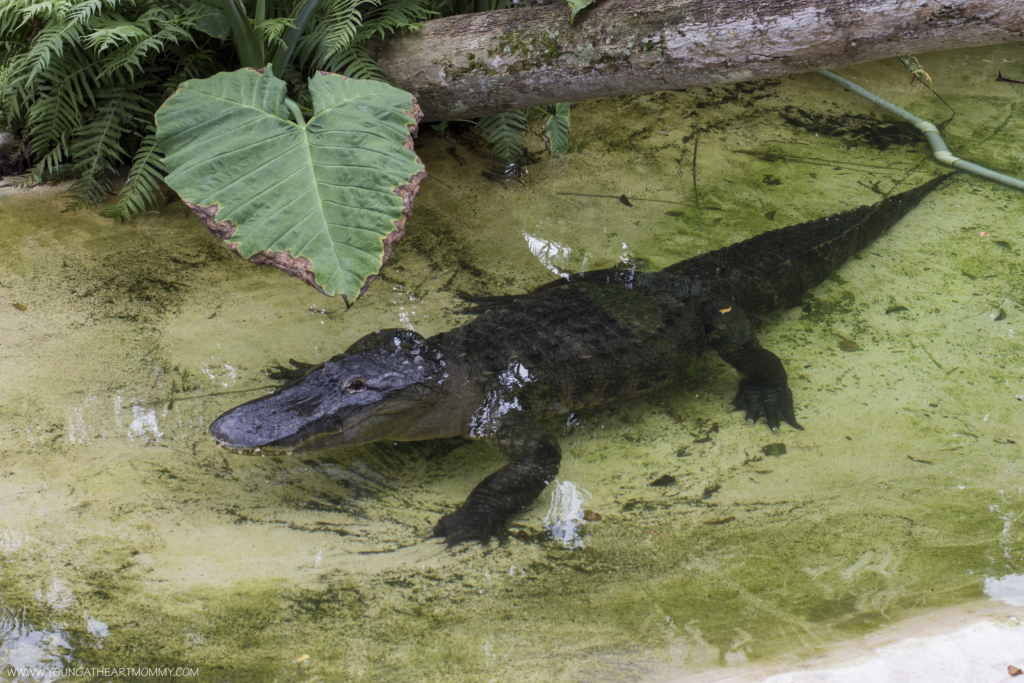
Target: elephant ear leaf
323 200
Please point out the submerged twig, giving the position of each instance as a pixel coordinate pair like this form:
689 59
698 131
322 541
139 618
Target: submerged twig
814 161
216 393
618 197
915 73
696 201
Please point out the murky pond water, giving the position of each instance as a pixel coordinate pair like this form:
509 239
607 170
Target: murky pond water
128 539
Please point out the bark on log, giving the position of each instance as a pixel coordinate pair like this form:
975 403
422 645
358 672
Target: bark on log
477 64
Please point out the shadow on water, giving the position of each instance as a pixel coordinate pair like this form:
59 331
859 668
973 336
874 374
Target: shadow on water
676 539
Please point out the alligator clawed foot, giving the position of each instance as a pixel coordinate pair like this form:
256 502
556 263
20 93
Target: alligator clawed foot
771 401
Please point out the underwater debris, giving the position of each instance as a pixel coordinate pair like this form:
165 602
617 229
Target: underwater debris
856 129
721 521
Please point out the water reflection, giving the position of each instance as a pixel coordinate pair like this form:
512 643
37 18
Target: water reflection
143 424
551 255
564 518
1009 589
41 651
23 647
224 375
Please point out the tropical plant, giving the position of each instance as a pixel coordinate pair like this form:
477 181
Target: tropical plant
505 132
323 200
80 80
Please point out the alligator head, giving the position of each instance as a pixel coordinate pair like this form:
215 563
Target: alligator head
350 399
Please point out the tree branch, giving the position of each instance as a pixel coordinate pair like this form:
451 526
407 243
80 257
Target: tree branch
478 64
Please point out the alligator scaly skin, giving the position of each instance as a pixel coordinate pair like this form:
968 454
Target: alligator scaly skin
599 337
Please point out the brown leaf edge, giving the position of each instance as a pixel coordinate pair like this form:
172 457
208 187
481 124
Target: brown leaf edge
299 266
407 192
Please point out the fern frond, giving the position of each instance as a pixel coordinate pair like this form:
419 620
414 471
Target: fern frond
11 18
393 15
338 25
49 163
271 31
505 133
143 187
97 148
50 42
129 58
198 63
113 33
355 62
24 180
134 42
86 10
86 191
51 119
335 26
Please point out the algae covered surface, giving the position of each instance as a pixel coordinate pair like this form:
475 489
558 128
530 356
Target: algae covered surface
676 539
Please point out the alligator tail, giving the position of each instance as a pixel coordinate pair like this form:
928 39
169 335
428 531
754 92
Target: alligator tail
775 269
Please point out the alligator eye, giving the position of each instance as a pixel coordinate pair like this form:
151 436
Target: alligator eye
355 385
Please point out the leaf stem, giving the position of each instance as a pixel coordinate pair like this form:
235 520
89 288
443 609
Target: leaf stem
296 111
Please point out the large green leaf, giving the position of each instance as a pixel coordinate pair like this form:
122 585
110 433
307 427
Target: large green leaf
325 200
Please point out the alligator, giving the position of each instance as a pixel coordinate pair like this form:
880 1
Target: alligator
580 341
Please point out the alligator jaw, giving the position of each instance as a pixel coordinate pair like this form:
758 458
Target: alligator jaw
347 400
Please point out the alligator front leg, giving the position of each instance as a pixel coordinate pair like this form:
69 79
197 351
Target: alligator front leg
764 388
535 456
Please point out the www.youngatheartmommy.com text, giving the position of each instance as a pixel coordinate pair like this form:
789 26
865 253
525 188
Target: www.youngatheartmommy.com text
97 671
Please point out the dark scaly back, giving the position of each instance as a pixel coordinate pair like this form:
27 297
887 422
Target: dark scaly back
566 347
775 269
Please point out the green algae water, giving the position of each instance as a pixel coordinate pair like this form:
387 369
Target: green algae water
676 540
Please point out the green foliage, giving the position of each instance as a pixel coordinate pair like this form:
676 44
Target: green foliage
556 129
80 79
505 133
576 6
332 192
336 39
143 188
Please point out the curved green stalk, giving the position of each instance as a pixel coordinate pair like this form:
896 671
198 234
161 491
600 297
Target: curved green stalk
293 106
247 43
303 14
931 133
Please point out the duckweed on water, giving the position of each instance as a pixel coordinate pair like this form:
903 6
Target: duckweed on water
129 539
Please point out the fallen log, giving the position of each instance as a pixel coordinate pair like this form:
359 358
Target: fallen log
477 64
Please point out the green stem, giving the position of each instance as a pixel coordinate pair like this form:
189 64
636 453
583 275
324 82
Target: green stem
931 133
247 44
303 13
293 106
